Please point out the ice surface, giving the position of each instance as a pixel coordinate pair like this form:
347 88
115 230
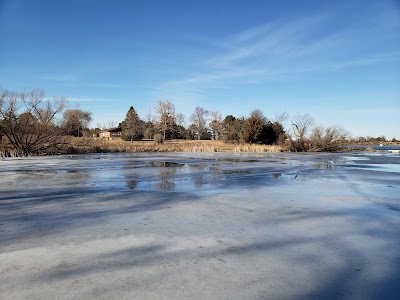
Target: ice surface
200 226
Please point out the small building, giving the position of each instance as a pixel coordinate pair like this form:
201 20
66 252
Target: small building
110 132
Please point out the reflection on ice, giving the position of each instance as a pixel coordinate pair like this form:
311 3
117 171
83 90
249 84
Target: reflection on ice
324 166
183 172
386 167
352 158
327 225
292 176
176 177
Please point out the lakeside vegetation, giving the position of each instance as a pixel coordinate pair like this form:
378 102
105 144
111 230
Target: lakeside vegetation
94 145
85 145
32 124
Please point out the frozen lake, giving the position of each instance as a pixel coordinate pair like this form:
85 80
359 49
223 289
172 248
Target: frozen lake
200 226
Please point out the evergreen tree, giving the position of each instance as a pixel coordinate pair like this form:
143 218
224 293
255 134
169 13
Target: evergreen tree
132 126
258 130
255 128
279 132
232 128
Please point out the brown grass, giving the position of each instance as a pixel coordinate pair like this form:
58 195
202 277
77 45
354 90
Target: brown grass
73 145
94 145
7 151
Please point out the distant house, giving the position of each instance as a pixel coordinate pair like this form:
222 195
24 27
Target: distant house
110 132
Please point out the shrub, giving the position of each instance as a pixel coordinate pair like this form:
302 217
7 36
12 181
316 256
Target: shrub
327 139
158 138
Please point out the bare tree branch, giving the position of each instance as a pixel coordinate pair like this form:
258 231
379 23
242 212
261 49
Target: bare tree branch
27 119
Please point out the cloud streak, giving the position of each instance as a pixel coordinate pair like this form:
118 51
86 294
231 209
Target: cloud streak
281 49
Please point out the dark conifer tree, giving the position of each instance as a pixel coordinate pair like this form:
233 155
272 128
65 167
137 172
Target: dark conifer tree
132 126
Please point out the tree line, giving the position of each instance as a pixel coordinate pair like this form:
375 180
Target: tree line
166 124
302 134
33 123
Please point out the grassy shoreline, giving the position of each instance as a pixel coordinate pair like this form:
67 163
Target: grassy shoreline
84 145
91 145
74 145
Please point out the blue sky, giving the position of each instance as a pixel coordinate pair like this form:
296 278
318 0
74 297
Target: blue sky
337 60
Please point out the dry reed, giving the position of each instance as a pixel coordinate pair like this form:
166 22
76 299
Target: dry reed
73 145
8 153
93 145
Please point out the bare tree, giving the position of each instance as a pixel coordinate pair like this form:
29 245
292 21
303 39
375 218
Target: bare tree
75 121
165 112
149 118
29 121
149 125
216 124
108 124
198 119
112 124
327 139
302 124
180 119
281 118
180 125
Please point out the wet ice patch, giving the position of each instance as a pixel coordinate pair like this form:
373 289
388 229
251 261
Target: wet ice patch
363 158
395 168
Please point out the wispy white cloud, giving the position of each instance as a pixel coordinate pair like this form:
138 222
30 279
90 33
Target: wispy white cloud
73 80
275 38
280 49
